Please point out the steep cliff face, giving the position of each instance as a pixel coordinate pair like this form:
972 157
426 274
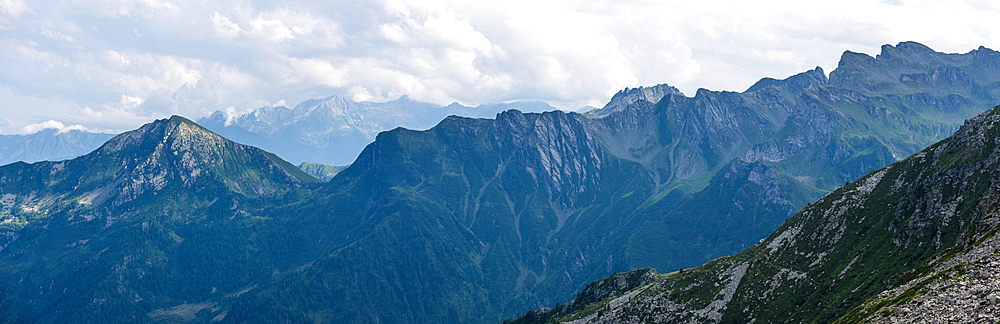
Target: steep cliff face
156 217
898 235
914 68
876 110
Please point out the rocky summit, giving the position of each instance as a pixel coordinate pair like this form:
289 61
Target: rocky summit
159 216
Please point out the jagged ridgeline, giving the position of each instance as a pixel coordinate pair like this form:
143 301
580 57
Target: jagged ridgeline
476 220
918 233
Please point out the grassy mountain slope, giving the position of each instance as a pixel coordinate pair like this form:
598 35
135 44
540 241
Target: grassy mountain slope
470 216
162 216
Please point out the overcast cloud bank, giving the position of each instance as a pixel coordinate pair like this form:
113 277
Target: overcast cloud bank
112 65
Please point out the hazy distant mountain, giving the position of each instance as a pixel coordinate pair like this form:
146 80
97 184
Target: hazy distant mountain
49 144
335 130
323 172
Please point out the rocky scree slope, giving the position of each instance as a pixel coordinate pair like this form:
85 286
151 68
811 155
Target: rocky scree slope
961 286
157 217
910 240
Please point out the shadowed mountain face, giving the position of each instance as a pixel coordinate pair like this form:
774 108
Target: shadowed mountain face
335 130
919 233
473 220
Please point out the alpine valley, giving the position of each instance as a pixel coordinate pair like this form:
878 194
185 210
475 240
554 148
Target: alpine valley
477 220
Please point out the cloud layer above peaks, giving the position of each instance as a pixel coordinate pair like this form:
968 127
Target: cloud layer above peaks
115 64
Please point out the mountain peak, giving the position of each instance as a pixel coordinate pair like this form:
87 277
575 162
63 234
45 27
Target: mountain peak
629 96
912 67
179 119
177 152
404 98
850 58
904 48
159 130
800 81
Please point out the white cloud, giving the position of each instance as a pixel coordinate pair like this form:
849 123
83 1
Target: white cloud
51 124
270 30
147 59
58 36
13 8
4 122
231 115
224 28
319 71
87 111
135 8
129 103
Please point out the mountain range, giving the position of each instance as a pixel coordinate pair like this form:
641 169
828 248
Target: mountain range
334 130
474 219
912 242
49 144
330 131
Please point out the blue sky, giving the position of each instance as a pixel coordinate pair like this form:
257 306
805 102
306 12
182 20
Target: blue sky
112 65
